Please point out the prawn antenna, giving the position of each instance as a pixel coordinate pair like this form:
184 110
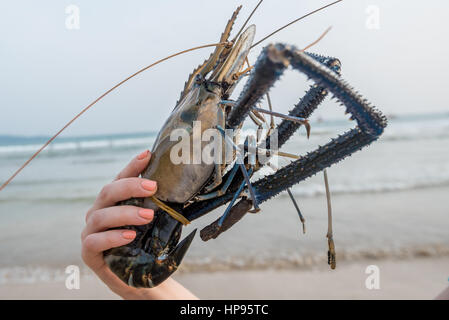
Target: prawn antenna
246 22
317 40
294 21
98 99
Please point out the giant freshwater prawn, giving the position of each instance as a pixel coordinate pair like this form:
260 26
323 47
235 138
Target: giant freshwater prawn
188 191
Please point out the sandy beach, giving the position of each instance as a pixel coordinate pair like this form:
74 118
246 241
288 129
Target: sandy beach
422 278
413 272
388 210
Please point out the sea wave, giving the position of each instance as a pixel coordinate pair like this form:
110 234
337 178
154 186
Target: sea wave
294 260
35 274
80 146
313 190
399 129
309 190
51 200
412 166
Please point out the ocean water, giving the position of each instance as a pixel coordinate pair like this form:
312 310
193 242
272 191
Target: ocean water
42 211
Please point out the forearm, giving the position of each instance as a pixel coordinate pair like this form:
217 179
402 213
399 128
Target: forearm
168 290
443 295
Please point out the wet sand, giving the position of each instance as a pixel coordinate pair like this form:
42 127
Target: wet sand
422 278
414 262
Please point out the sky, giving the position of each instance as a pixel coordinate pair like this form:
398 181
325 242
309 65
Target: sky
392 51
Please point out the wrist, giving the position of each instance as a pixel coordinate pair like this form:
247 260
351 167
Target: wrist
117 286
135 294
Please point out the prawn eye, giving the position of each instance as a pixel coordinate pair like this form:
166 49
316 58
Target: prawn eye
199 79
189 115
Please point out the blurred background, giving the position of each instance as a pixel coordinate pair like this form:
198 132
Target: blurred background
388 200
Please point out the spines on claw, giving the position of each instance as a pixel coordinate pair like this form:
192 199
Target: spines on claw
312 163
307 105
267 70
264 74
270 65
368 118
370 125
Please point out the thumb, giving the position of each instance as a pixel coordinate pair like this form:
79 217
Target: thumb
136 166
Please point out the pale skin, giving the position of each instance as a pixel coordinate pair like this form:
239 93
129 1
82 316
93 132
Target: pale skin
104 215
443 295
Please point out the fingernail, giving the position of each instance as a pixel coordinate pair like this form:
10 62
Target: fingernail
149 185
129 235
146 213
143 155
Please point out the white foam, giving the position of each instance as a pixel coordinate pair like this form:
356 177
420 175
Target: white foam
81 145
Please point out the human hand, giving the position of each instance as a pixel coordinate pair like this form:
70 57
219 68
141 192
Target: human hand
105 214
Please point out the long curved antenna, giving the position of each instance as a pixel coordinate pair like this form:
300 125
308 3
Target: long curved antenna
98 99
247 20
317 40
294 21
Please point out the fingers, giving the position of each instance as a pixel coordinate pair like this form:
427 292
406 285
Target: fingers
92 253
96 243
136 166
104 214
118 216
123 189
